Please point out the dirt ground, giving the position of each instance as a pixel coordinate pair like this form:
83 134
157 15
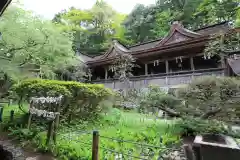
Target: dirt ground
27 152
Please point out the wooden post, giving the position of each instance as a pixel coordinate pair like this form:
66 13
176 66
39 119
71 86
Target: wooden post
223 65
95 144
56 124
11 115
29 120
106 74
50 132
167 70
192 64
146 69
1 113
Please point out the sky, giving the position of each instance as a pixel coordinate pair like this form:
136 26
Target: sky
48 8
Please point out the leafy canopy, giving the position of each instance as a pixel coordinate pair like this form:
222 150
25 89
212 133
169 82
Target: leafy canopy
31 45
94 29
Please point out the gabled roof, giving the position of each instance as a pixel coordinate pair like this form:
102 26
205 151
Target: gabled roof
115 49
3 5
177 34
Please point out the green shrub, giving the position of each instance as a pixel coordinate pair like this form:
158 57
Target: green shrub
211 98
196 126
80 99
156 98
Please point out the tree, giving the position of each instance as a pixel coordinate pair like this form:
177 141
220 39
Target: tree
31 46
94 29
223 44
237 24
215 11
211 98
180 10
139 24
155 98
206 98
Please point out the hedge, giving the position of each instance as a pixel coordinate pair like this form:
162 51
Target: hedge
80 99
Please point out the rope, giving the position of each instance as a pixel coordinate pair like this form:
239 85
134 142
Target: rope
127 141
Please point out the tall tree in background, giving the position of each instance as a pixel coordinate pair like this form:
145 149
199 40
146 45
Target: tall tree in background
179 10
139 24
215 11
237 24
95 28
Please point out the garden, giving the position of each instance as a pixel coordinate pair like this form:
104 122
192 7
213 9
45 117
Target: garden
47 106
137 133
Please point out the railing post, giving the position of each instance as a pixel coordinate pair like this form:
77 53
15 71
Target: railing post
95 145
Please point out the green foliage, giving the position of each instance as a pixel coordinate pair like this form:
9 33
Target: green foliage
211 98
237 24
223 44
80 100
121 125
139 23
197 126
94 29
37 48
215 11
155 97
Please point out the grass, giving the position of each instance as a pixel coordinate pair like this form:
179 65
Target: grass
73 143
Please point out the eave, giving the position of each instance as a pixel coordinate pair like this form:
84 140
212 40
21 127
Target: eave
3 5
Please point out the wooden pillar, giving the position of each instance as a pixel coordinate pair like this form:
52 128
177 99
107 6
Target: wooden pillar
223 65
167 71
167 66
192 64
146 69
106 73
90 75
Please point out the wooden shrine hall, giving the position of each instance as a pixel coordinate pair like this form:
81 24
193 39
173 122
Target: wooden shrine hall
173 60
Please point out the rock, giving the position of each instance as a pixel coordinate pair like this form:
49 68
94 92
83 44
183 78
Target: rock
40 157
175 155
12 152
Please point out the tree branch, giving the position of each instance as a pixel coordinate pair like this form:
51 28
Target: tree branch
210 113
169 111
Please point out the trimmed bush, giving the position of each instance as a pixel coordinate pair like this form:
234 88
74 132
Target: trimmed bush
80 99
